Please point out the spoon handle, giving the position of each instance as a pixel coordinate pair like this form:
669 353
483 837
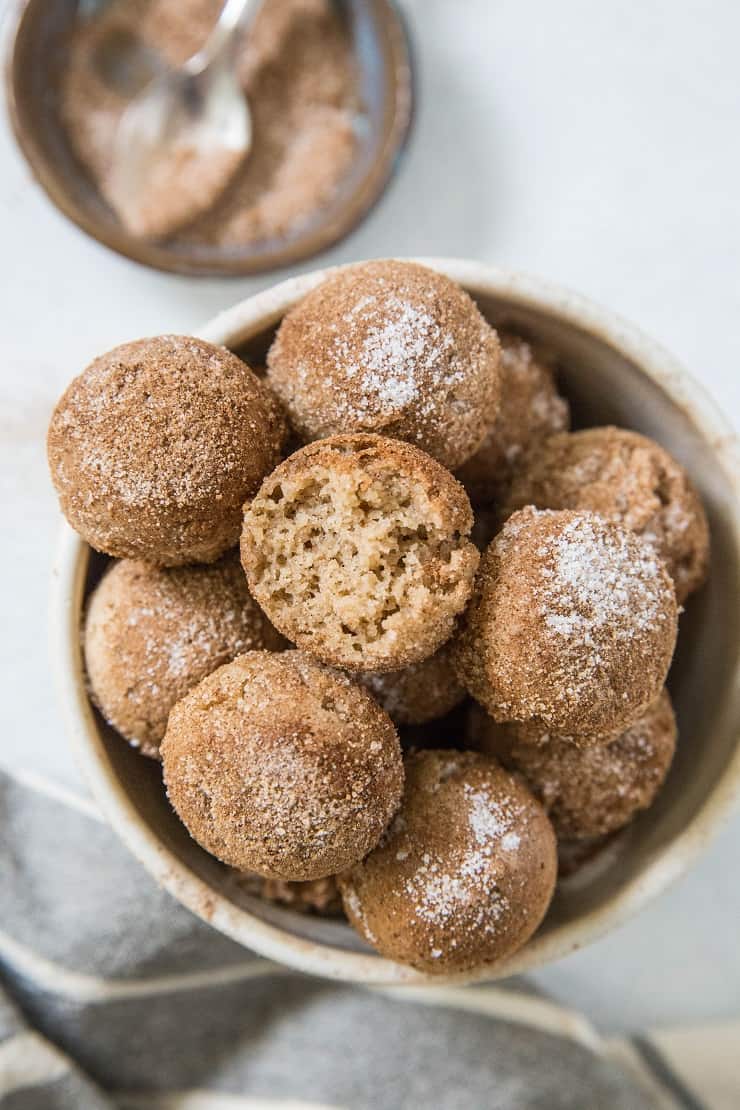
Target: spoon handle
235 16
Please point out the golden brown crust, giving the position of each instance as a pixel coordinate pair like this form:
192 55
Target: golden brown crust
531 410
151 634
155 446
465 873
278 765
629 479
356 547
390 347
588 790
417 694
572 625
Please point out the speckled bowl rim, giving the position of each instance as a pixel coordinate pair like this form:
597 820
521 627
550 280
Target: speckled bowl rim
233 328
314 241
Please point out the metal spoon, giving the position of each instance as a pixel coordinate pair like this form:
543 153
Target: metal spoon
180 141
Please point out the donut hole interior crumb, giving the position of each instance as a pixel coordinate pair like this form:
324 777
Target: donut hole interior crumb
352 555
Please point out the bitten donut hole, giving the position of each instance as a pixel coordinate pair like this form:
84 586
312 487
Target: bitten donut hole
355 554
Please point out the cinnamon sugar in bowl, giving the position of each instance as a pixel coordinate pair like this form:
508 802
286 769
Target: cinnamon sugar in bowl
330 91
612 374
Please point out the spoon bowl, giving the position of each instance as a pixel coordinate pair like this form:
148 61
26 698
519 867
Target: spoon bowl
177 147
184 136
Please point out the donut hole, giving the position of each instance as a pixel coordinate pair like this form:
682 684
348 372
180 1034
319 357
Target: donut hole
283 767
364 555
156 445
389 347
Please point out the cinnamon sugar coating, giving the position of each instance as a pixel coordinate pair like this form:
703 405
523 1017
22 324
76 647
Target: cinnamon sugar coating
151 634
588 790
572 624
389 347
356 548
531 410
317 896
629 479
464 874
278 765
154 448
422 692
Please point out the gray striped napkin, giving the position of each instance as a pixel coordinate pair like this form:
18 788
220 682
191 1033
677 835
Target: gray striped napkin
115 996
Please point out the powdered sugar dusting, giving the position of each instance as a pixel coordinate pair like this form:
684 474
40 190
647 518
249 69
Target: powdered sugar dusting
599 578
488 820
439 893
400 357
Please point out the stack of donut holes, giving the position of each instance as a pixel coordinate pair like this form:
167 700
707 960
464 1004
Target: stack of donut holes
396 634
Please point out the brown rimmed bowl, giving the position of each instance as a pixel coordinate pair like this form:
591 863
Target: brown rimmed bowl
612 374
35 54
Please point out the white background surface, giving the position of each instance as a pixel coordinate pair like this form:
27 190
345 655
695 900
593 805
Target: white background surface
596 144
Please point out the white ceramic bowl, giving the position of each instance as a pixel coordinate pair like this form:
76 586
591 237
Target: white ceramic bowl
613 374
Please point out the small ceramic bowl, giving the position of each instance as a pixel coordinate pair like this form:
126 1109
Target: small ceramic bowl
613 374
35 58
